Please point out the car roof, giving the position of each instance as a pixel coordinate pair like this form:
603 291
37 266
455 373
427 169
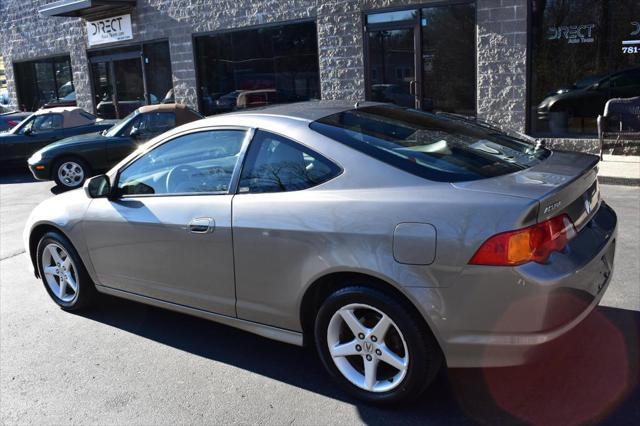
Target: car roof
162 108
183 113
71 116
308 110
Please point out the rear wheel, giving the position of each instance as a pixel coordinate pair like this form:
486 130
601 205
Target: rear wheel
63 273
374 346
70 173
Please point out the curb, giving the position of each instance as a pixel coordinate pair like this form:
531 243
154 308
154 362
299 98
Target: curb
615 180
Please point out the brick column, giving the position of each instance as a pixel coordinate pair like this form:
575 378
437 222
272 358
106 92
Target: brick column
183 68
340 47
502 61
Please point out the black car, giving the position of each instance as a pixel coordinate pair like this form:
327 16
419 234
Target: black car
9 120
43 128
588 101
70 161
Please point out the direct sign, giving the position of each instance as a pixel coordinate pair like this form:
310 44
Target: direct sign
109 30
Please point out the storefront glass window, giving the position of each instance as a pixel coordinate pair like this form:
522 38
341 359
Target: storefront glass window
45 81
449 58
424 58
257 67
584 52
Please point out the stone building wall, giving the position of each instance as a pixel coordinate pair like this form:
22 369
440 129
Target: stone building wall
501 43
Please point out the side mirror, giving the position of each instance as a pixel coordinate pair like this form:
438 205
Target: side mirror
98 187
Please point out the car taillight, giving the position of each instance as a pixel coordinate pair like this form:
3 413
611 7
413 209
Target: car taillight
532 244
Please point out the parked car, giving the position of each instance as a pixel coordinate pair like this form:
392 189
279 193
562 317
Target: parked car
105 108
9 120
396 241
588 101
70 161
228 102
43 128
256 98
4 109
66 101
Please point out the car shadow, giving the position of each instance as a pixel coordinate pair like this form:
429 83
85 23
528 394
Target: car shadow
591 376
13 175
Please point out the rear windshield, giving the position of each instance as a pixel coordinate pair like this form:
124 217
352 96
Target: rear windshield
434 147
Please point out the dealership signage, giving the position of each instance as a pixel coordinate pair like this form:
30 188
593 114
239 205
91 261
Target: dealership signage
572 33
109 30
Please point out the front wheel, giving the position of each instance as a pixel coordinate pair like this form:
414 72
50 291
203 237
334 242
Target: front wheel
63 273
70 173
375 346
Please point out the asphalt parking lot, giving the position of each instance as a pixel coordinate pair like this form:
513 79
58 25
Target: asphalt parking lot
126 363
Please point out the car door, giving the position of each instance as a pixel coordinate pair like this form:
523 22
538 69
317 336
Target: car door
167 232
275 226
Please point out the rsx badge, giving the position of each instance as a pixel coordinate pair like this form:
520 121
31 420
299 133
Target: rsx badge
552 207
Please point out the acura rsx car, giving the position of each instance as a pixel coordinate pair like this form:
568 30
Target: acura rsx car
395 241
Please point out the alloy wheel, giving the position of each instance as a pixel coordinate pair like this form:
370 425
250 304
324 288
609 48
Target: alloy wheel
367 347
60 272
70 173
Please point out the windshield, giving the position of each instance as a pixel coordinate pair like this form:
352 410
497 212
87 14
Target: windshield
115 129
20 127
440 148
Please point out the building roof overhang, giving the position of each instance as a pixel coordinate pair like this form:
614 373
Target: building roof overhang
86 8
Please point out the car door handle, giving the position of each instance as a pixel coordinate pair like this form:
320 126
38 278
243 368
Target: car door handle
201 225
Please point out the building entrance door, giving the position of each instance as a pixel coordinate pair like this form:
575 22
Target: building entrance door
391 53
125 79
119 86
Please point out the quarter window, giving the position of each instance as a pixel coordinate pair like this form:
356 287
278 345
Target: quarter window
277 164
200 162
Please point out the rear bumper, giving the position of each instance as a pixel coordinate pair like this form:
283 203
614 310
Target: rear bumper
508 316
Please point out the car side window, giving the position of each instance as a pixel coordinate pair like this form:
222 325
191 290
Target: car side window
201 162
277 164
159 122
43 123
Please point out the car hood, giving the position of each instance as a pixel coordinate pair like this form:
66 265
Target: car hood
571 94
85 139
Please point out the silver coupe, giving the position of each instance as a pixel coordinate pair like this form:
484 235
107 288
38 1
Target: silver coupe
395 241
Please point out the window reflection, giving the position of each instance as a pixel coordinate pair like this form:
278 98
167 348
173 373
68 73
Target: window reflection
581 58
448 59
253 68
45 81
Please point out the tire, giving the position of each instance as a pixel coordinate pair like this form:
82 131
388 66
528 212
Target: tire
407 337
70 172
52 270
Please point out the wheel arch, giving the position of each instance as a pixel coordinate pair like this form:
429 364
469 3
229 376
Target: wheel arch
66 155
317 292
34 238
